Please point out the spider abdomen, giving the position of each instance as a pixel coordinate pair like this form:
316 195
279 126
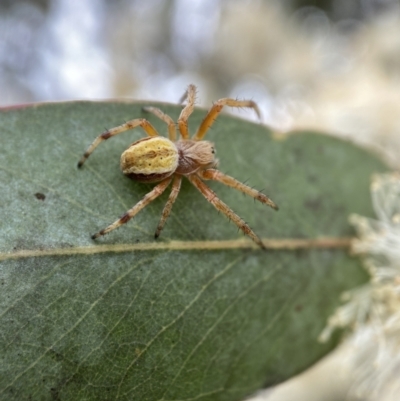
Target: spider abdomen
150 159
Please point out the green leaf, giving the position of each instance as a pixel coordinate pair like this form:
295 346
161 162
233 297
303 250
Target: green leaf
130 318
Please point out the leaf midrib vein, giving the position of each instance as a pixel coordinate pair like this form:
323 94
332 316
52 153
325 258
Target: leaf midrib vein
288 244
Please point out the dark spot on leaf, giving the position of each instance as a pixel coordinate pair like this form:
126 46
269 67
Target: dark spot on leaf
55 394
40 196
313 204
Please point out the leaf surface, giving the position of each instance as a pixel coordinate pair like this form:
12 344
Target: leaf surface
123 318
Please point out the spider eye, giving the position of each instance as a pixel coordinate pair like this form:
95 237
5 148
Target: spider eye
212 150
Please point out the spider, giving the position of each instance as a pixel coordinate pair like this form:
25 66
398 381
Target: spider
158 159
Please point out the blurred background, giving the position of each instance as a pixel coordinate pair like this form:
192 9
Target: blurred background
327 65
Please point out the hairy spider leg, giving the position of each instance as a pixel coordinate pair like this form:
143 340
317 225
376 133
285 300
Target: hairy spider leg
216 108
190 96
149 197
176 186
216 175
211 196
166 118
138 122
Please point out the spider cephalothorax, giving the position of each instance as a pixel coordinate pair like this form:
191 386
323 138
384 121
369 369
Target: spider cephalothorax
156 158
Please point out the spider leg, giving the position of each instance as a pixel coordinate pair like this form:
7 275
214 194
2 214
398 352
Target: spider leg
164 117
210 195
150 130
153 194
186 94
190 95
217 108
216 175
176 186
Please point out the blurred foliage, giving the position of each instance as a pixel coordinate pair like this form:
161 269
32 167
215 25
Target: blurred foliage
41 4
325 65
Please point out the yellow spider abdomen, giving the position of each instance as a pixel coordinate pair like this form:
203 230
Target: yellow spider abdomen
150 159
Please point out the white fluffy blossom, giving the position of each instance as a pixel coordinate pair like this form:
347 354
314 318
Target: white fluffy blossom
373 310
